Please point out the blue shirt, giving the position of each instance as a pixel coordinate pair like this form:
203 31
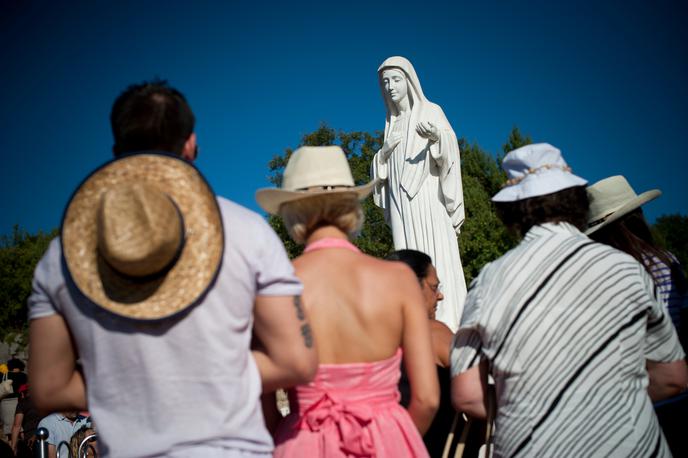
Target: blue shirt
61 429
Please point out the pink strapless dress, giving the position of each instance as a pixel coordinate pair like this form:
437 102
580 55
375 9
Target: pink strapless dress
350 410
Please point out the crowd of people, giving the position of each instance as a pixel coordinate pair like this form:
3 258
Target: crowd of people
173 315
21 419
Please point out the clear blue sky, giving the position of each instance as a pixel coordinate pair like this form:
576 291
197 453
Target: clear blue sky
606 82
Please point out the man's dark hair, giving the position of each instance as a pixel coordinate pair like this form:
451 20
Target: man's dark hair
569 205
418 262
15 363
151 116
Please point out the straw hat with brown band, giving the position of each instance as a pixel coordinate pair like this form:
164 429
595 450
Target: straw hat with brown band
142 236
612 198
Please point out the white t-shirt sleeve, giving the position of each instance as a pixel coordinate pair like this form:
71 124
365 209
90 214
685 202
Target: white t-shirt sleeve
274 271
40 303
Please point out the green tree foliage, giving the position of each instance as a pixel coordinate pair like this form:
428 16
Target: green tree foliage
672 232
19 254
515 140
483 237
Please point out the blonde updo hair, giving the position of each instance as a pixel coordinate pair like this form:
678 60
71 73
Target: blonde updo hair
341 210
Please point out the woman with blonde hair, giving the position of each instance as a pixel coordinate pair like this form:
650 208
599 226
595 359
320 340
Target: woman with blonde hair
83 443
364 313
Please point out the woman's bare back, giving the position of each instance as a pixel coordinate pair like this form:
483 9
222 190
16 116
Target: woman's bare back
355 304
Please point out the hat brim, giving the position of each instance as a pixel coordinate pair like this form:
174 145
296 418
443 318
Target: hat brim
601 221
271 199
197 265
539 184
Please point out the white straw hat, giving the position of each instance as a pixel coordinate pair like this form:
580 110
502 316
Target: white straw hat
142 236
311 171
535 170
612 198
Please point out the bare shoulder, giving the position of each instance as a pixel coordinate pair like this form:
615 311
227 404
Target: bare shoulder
298 262
392 271
441 341
441 329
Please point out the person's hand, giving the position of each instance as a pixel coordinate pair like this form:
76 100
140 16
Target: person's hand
389 146
428 130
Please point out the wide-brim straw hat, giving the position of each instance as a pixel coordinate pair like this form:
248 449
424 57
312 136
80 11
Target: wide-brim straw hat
611 199
142 236
535 170
312 171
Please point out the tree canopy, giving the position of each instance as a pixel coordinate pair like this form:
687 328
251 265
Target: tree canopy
483 238
375 238
19 254
672 233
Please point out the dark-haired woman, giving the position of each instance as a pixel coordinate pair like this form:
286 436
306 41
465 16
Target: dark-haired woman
616 219
441 335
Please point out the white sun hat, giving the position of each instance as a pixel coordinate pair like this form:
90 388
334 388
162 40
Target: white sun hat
612 198
311 171
535 170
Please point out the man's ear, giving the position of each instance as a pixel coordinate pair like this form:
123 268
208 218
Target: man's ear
189 150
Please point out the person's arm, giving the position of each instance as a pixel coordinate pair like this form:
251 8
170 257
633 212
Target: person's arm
469 366
55 382
419 359
16 429
666 379
52 451
288 356
469 391
664 356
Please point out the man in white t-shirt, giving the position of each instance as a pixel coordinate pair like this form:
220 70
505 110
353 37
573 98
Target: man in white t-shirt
158 287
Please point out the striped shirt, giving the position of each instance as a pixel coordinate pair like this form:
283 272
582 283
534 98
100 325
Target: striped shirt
566 326
668 293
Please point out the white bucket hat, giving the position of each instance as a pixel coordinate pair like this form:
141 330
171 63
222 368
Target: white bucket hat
535 170
312 170
612 198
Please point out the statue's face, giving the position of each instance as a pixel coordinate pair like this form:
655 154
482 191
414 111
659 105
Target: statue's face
395 85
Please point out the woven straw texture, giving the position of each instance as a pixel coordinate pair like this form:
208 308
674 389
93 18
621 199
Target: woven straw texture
198 262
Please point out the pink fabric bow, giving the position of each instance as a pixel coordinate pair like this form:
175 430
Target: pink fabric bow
351 420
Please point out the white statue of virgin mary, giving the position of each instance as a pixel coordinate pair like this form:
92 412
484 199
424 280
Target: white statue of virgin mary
420 181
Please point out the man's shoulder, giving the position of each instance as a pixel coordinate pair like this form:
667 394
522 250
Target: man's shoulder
613 255
245 230
49 420
232 211
54 250
50 264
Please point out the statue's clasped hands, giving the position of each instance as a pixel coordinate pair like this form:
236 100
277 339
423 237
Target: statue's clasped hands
428 130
